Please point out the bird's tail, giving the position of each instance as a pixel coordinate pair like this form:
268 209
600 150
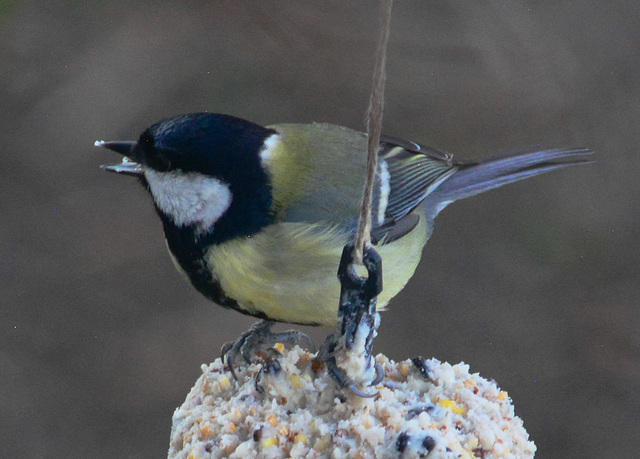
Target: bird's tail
474 178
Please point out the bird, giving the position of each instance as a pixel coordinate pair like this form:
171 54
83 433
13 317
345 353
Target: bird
255 217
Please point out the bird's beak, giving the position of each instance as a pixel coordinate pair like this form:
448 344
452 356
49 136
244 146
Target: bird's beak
127 166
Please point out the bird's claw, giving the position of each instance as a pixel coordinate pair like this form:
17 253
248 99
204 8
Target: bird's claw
327 355
379 375
359 393
377 380
256 337
341 378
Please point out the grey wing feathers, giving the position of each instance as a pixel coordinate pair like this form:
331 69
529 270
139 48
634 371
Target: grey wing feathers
496 172
412 174
419 174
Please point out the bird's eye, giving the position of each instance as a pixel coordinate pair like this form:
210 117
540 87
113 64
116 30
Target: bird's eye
157 160
162 164
153 154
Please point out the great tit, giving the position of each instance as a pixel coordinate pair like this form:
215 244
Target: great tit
256 217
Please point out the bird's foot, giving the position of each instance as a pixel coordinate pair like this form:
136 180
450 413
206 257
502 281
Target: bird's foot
340 376
258 336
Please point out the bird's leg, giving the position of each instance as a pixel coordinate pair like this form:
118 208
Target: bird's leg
353 342
258 336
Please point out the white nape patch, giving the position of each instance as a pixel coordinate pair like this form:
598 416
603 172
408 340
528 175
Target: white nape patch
189 198
385 189
269 146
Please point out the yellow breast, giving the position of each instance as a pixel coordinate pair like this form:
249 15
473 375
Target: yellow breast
289 270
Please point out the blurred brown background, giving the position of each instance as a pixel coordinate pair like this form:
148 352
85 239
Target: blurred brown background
535 285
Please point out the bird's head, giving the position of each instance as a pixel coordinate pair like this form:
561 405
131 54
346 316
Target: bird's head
204 172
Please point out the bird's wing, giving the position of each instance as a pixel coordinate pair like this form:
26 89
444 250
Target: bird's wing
419 174
413 171
408 175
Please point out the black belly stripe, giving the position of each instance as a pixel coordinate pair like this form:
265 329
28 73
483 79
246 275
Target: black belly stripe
189 251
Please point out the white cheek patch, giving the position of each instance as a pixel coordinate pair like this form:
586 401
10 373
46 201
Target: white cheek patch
189 198
385 189
266 154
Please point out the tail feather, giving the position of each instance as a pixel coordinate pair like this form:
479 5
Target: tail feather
474 178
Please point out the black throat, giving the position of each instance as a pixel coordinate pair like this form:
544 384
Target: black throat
189 250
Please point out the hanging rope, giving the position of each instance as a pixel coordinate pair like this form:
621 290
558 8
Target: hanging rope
374 129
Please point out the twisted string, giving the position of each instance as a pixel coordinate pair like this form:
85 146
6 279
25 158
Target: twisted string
374 128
